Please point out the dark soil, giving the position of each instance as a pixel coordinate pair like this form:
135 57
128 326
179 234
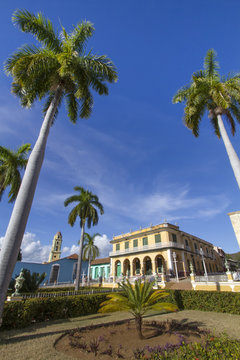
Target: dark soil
121 341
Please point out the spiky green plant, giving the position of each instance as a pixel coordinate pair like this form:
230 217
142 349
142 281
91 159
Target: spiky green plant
11 165
219 97
87 210
137 298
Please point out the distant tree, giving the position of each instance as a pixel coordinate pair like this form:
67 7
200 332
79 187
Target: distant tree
11 165
87 210
32 281
60 68
90 250
220 97
137 298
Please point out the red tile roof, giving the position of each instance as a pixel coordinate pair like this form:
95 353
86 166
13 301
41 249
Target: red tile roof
73 256
101 261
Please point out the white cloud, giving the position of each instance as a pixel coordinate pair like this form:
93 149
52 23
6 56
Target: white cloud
32 249
102 242
74 249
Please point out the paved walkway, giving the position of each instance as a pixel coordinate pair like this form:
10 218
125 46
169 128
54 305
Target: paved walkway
36 342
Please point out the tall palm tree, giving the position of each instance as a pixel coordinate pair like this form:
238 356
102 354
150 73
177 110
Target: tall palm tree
90 250
11 165
137 298
86 210
220 97
59 68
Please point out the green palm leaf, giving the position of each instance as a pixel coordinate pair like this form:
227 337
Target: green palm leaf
137 298
11 165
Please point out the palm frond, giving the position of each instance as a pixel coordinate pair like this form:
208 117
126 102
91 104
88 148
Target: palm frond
86 105
24 51
211 65
101 65
181 95
38 26
214 122
79 36
72 107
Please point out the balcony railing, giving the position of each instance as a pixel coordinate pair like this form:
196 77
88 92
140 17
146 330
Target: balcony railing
138 249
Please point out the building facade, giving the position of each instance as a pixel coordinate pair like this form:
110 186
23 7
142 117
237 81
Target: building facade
100 267
162 249
59 271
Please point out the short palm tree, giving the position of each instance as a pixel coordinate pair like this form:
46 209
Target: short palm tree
220 97
90 250
87 210
137 298
60 68
32 281
11 165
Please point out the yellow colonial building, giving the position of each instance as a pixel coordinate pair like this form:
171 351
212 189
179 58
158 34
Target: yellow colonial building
162 249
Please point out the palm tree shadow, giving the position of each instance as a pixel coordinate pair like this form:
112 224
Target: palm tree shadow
184 326
6 339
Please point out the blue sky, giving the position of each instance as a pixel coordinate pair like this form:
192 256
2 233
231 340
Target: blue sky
134 152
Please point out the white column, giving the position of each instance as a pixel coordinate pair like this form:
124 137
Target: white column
170 264
184 264
111 274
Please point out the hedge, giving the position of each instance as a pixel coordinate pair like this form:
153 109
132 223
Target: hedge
224 302
19 314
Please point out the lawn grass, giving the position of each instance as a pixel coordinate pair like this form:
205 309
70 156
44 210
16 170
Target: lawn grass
36 341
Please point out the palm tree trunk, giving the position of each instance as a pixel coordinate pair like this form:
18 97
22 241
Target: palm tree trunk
22 207
234 160
138 321
89 267
79 264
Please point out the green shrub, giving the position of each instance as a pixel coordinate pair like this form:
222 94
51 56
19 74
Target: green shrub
213 349
224 302
18 314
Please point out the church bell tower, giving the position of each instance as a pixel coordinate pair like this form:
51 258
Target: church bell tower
56 247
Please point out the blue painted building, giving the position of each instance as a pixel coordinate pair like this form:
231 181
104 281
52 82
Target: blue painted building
58 271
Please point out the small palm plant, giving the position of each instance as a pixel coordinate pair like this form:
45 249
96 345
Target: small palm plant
137 298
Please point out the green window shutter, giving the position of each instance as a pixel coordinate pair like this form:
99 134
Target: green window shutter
145 241
174 237
158 238
135 243
127 245
117 247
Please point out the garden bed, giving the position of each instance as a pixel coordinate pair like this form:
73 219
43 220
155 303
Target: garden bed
120 339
